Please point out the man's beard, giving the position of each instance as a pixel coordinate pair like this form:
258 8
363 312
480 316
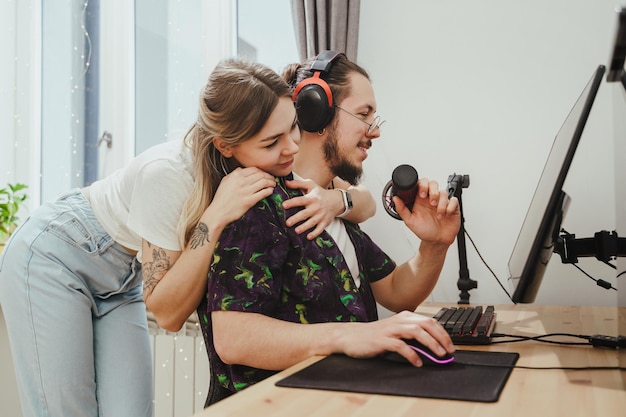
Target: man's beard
338 163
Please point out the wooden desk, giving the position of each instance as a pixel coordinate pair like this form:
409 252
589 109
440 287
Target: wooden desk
527 392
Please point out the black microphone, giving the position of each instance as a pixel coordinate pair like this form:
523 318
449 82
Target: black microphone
404 185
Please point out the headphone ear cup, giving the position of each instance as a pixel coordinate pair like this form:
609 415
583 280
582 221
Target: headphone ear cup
312 108
313 97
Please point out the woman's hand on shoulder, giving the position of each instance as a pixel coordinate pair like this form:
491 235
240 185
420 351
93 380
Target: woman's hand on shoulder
320 207
239 191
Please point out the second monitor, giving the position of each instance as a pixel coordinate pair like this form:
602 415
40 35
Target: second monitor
540 230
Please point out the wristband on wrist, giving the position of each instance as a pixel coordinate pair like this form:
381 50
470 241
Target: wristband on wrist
347 201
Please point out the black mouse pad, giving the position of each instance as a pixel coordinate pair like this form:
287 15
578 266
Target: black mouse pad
474 376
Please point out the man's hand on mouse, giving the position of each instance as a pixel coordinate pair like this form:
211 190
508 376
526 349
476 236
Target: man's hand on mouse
367 340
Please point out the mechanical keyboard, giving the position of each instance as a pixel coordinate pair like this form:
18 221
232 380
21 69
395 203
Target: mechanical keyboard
468 325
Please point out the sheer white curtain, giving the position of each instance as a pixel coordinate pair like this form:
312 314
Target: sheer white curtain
20 94
326 24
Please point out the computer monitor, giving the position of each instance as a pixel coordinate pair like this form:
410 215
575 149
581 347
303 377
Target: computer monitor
535 242
616 70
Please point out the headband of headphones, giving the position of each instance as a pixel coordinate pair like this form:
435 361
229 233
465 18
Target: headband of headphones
313 98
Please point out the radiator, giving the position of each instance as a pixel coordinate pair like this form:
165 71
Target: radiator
181 369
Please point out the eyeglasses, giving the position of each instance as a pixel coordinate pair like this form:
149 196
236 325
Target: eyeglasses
376 123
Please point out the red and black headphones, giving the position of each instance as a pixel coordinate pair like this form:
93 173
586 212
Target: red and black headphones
312 97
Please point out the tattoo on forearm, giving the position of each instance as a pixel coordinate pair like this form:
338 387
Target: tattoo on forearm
154 271
200 236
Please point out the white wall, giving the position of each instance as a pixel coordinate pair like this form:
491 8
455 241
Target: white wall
481 88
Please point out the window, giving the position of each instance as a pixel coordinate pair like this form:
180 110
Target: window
69 95
265 32
175 55
126 71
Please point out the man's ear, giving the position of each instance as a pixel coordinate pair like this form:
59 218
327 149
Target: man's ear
223 147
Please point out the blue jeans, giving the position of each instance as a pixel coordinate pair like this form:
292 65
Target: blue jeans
72 300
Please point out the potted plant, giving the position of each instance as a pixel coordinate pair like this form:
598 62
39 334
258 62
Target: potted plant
12 198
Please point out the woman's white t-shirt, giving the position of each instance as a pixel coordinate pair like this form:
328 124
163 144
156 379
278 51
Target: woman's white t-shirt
144 200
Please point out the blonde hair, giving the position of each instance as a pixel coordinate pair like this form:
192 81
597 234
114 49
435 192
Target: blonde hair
235 104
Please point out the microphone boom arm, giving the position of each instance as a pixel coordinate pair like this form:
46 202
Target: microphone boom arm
456 183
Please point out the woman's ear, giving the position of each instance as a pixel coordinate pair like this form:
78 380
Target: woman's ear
223 147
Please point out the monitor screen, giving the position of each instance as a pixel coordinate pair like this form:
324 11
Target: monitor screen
618 56
535 242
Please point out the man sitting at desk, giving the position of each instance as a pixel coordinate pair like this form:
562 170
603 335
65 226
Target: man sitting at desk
275 298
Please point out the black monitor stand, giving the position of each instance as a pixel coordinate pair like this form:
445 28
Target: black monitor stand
605 246
456 183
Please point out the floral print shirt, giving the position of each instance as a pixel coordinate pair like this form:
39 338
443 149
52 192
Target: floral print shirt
260 265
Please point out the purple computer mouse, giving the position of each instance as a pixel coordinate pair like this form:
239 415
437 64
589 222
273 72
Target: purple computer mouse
428 357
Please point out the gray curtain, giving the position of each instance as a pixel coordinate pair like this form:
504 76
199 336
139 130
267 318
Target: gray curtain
326 24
